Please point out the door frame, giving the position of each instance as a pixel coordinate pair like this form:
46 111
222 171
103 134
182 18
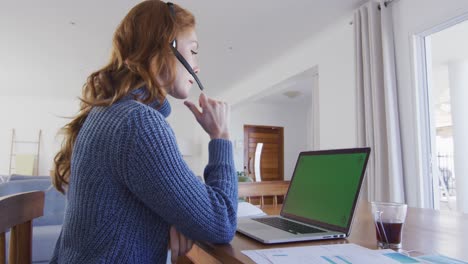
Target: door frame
281 158
428 182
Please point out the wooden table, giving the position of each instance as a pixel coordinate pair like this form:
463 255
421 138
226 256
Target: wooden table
425 231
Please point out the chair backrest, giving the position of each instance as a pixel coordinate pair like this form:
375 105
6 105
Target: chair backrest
19 186
17 211
54 208
263 189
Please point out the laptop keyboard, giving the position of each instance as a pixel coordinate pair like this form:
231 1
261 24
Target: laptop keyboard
288 226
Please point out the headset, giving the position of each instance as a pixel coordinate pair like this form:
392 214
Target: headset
178 55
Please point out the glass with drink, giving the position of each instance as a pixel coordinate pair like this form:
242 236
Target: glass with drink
389 219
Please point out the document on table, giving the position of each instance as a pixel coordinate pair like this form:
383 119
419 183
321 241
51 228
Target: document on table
327 254
248 209
426 259
440 259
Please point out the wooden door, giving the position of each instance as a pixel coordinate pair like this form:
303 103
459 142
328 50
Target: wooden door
271 163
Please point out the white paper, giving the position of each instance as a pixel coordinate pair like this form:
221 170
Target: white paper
248 209
256 257
326 254
439 259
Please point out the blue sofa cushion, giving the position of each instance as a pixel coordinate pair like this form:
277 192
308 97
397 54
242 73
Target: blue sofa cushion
18 177
54 209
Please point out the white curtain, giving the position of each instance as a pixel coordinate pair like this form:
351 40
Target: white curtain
377 105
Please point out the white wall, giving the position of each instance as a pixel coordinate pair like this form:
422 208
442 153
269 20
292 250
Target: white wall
290 116
413 17
27 115
332 51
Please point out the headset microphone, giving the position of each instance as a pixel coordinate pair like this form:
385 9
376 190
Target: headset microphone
179 56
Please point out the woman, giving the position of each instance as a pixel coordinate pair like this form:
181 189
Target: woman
129 191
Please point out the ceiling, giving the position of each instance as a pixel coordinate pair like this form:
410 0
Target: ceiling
49 47
296 90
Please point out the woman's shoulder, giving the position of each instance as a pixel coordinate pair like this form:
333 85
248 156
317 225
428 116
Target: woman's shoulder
140 116
146 125
125 113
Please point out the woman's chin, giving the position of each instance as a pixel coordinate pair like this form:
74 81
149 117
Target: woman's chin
179 93
180 96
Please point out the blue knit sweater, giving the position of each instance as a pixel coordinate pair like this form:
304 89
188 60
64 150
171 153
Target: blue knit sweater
129 184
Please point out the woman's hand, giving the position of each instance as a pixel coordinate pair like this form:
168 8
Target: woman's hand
213 117
180 245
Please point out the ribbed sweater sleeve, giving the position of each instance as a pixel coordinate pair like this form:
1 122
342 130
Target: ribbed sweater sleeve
154 171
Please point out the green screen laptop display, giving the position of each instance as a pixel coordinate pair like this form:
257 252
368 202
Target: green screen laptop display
324 187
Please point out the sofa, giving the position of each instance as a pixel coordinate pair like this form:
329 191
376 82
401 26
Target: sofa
46 229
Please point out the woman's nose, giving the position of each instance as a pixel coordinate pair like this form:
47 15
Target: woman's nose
196 69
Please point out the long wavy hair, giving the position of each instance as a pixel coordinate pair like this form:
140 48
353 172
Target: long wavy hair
141 55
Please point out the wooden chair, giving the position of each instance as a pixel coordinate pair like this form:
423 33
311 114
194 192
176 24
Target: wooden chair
262 189
17 212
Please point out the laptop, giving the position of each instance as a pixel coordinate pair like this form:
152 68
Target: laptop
320 201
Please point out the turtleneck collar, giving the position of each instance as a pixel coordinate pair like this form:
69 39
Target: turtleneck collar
164 108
